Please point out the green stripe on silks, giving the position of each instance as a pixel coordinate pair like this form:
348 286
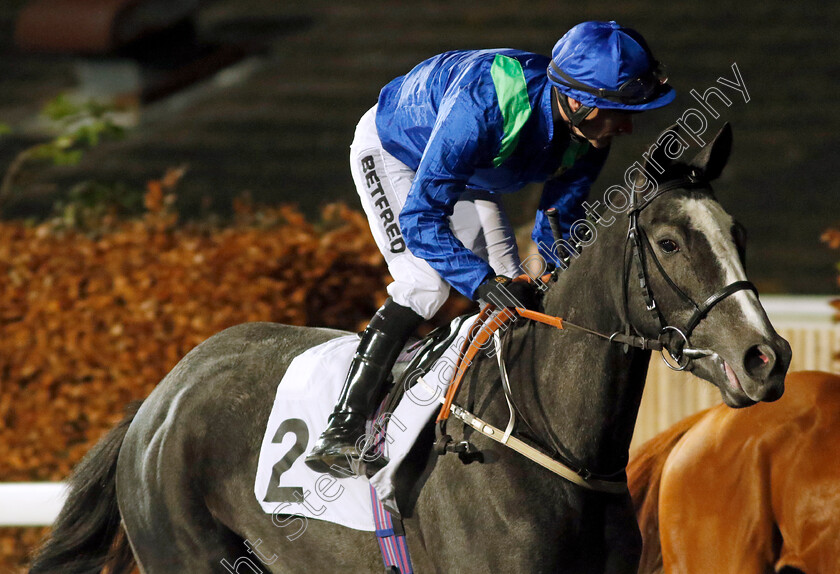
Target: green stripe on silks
512 93
575 150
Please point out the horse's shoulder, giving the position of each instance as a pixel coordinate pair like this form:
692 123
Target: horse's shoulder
725 435
808 394
702 473
714 468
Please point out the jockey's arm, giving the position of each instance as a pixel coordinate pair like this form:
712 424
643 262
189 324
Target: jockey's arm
567 193
461 141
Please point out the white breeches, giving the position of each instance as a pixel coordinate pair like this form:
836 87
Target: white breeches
478 221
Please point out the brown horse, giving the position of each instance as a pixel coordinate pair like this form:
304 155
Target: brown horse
749 491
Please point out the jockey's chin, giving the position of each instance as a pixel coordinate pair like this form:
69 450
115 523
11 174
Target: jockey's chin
601 143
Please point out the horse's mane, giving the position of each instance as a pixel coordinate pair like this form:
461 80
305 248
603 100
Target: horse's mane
644 476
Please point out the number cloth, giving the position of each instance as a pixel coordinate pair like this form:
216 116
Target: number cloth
285 486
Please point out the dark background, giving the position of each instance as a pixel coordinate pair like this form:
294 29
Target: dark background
279 124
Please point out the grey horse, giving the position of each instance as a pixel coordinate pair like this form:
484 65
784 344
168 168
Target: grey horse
172 486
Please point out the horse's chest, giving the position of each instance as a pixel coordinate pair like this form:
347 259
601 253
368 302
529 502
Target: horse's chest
520 526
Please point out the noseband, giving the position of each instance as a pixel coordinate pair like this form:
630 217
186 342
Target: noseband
638 241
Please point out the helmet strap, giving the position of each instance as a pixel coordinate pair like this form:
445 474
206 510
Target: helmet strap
575 118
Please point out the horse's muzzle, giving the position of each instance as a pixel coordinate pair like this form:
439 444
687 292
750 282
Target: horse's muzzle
766 365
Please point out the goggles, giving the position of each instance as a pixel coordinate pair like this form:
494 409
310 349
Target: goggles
635 91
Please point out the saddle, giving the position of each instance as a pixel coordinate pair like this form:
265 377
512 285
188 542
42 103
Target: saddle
419 356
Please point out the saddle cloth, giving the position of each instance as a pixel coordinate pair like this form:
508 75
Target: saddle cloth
305 398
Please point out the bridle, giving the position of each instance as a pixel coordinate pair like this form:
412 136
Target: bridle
638 241
488 323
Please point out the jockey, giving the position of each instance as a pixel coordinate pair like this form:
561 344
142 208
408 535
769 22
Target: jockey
432 157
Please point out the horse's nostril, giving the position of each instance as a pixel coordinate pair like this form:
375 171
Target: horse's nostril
759 359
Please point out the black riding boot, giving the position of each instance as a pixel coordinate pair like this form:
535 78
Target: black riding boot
381 343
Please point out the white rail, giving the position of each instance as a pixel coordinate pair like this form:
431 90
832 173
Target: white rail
805 320
799 310
30 503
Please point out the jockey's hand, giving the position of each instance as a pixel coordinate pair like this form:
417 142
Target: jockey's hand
503 291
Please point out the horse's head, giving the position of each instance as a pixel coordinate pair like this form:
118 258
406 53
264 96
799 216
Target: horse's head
688 251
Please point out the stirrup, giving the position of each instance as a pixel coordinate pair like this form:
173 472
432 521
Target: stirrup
343 462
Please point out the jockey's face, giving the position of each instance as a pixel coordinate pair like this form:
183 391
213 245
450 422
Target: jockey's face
601 125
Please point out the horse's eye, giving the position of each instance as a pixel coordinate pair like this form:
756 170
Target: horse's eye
668 245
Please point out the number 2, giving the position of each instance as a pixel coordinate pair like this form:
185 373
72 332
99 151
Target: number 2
276 493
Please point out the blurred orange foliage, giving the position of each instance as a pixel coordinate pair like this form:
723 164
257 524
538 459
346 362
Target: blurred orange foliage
832 238
91 323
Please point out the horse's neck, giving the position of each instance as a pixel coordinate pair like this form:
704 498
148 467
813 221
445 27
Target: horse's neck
575 389
594 386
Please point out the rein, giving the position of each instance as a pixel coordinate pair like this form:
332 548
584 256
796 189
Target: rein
488 324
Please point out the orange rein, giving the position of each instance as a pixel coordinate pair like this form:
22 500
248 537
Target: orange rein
480 333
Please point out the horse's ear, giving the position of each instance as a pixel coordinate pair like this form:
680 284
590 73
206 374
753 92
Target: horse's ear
712 159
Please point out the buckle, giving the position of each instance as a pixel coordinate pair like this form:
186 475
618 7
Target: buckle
680 365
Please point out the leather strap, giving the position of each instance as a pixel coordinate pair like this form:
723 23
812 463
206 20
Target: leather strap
707 305
480 333
483 329
545 461
637 341
541 317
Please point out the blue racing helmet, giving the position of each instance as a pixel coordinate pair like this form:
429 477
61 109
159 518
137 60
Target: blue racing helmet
603 65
